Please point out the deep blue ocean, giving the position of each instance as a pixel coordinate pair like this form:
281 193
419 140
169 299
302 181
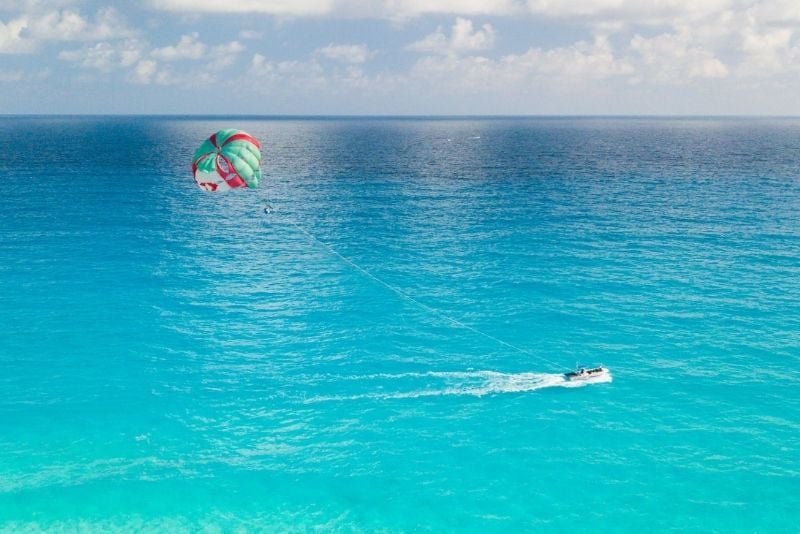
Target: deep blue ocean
175 360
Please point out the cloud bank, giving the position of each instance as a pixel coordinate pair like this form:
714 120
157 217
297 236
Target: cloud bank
423 49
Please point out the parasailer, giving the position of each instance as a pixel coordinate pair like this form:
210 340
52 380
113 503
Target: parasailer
227 160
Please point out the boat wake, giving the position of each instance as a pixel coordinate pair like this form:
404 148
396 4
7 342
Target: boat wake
387 386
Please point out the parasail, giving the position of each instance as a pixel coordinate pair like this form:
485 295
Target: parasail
229 159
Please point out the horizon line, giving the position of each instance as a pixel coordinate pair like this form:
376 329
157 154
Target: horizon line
401 116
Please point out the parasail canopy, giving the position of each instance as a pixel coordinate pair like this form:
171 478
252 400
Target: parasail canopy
227 160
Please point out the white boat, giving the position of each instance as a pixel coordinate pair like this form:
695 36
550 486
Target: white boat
583 373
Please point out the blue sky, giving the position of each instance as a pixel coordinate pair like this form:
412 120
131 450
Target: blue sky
400 56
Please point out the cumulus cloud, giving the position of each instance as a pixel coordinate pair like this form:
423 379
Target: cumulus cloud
144 71
293 77
451 63
250 34
19 75
11 75
655 43
146 65
69 25
463 38
101 56
105 56
580 62
387 9
11 39
225 55
26 32
148 71
672 58
630 11
306 72
26 6
272 7
188 47
347 53
416 8
768 52
772 12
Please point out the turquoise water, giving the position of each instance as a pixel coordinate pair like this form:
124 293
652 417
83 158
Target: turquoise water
174 360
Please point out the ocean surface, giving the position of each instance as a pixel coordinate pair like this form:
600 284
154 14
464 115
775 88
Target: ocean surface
383 351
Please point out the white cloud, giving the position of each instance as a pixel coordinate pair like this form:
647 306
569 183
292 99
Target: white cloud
463 38
473 73
630 11
144 71
386 9
250 34
59 26
580 62
188 47
26 32
101 56
18 75
769 52
69 25
293 78
105 56
672 58
738 43
129 53
145 66
11 40
415 8
225 55
347 53
11 75
19 6
167 76
772 12
272 7
307 72
148 71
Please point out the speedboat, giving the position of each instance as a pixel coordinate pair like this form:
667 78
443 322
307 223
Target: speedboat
583 373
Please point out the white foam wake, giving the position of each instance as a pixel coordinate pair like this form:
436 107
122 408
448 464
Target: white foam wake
384 386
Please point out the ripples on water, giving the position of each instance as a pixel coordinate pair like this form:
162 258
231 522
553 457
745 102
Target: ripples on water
174 360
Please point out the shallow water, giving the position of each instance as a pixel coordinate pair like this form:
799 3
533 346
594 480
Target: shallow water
172 359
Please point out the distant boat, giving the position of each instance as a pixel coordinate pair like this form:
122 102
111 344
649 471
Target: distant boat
583 373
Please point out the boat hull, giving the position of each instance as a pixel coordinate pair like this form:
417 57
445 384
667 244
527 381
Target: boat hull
586 374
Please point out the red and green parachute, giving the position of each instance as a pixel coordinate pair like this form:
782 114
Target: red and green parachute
227 160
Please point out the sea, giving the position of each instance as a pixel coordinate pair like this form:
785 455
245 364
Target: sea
373 340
